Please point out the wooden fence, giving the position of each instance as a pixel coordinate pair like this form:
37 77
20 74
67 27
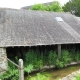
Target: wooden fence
20 67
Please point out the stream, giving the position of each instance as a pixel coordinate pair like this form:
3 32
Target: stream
58 73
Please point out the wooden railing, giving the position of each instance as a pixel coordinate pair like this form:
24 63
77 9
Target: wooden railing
20 68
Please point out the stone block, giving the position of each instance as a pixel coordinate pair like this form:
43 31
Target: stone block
3 60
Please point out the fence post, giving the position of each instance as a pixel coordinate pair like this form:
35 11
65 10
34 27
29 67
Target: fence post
59 51
21 70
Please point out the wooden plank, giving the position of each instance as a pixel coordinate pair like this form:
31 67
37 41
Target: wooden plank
59 51
21 70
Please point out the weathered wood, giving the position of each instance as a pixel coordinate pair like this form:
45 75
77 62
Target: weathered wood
59 51
21 70
13 63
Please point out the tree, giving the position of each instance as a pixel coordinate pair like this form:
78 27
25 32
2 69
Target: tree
72 6
55 6
66 7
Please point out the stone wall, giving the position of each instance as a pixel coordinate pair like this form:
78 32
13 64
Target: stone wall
3 60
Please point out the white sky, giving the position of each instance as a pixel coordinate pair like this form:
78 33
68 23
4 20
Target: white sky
17 4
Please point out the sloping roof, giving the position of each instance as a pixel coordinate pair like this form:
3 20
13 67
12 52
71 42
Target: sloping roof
31 28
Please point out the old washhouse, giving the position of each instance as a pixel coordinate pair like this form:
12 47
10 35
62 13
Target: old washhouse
22 28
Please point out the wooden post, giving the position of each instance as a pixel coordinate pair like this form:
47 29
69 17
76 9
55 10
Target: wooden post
21 70
59 51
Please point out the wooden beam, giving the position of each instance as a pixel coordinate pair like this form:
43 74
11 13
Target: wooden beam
59 51
21 70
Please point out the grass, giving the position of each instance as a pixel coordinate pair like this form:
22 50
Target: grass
77 77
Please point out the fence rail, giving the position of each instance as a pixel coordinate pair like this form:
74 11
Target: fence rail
20 68
13 63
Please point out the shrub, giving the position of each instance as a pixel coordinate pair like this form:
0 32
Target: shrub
30 57
28 69
60 64
38 64
52 57
75 54
65 56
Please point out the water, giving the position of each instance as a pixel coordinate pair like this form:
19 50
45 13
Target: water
59 73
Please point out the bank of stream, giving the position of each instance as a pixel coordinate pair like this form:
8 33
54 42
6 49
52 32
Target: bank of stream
57 73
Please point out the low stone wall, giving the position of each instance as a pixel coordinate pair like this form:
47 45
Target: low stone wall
3 60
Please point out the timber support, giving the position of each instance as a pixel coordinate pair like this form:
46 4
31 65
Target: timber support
59 51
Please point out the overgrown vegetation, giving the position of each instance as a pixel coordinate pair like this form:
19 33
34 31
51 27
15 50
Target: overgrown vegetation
73 7
36 60
11 74
64 60
33 58
77 77
40 76
55 6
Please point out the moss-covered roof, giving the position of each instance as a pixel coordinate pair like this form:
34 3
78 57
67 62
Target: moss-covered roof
31 28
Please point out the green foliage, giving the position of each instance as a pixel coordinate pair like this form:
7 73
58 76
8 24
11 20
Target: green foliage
52 57
29 68
38 60
40 76
66 7
38 7
34 59
30 57
75 55
39 64
60 64
11 74
66 57
77 77
55 6
72 6
16 60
